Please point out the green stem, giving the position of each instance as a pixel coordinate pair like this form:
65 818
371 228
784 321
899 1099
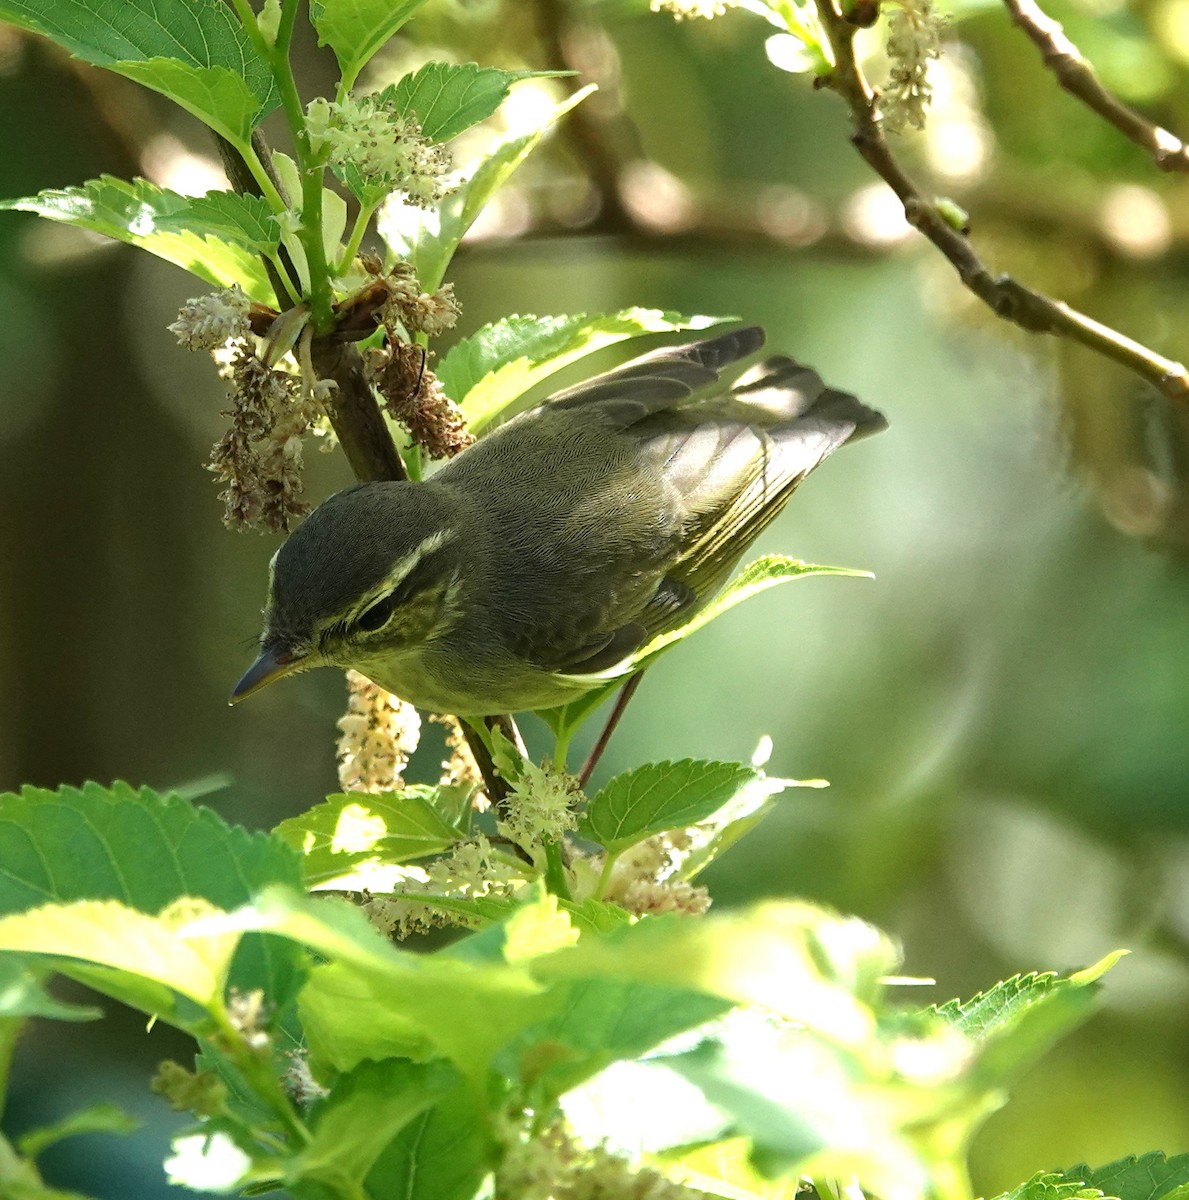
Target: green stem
561 746
283 274
310 169
262 1080
268 189
605 874
362 220
555 869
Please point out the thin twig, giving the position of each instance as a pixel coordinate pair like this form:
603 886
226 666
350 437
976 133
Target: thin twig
1077 77
1006 297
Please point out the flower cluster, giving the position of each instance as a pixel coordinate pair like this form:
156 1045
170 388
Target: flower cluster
370 143
260 455
689 9
553 1165
210 322
379 734
540 805
643 879
472 871
413 396
202 1093
460 768
914 39
431 313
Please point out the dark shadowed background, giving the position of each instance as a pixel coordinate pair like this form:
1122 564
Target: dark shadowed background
1002 714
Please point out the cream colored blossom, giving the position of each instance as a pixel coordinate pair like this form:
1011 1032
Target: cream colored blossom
210 322
366 138
471 871
379 733
259 457
460 768
685 10
552 1164
914 39
540 805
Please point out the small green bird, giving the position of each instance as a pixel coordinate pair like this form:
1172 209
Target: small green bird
560 543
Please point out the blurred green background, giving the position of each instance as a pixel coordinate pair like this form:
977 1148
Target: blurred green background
1002 713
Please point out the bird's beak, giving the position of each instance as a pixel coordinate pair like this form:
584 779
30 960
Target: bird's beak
269 666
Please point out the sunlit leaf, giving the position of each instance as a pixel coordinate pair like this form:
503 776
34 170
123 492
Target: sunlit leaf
660 796
1049 1185
803 962
243 220
216 96
1018 1019
146 851
140 959
356 29
488 372
463 1011
447 98
353 830
756 577
153 218
367 1107
194 51
1151 1176
428 239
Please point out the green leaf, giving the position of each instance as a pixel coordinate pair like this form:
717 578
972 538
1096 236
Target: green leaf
1017 1020
602 1022
356 29
428 240
350 838
98 1118
146 851
489 371
447 98
153 218
1146 1177
1048 1185
443 1154
801 961
769 1102
661 796
242 220
130 955
366 1109
194 51
765 572
22 995
459 1010
722 1168
217 97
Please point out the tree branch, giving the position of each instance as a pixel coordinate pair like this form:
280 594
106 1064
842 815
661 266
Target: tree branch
1077 77
1006 297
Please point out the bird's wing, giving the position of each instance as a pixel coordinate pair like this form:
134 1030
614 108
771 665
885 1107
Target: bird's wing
737 459
659 380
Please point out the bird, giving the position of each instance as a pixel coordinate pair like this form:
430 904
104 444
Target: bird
553 548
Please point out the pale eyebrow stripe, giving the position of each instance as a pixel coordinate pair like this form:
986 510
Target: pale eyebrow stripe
406 565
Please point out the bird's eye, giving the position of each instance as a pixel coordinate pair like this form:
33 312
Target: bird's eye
377 615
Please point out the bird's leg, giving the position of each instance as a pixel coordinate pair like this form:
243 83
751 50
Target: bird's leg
621 702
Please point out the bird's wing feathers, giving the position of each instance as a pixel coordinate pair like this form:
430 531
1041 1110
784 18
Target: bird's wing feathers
737 458
661 379
728 457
